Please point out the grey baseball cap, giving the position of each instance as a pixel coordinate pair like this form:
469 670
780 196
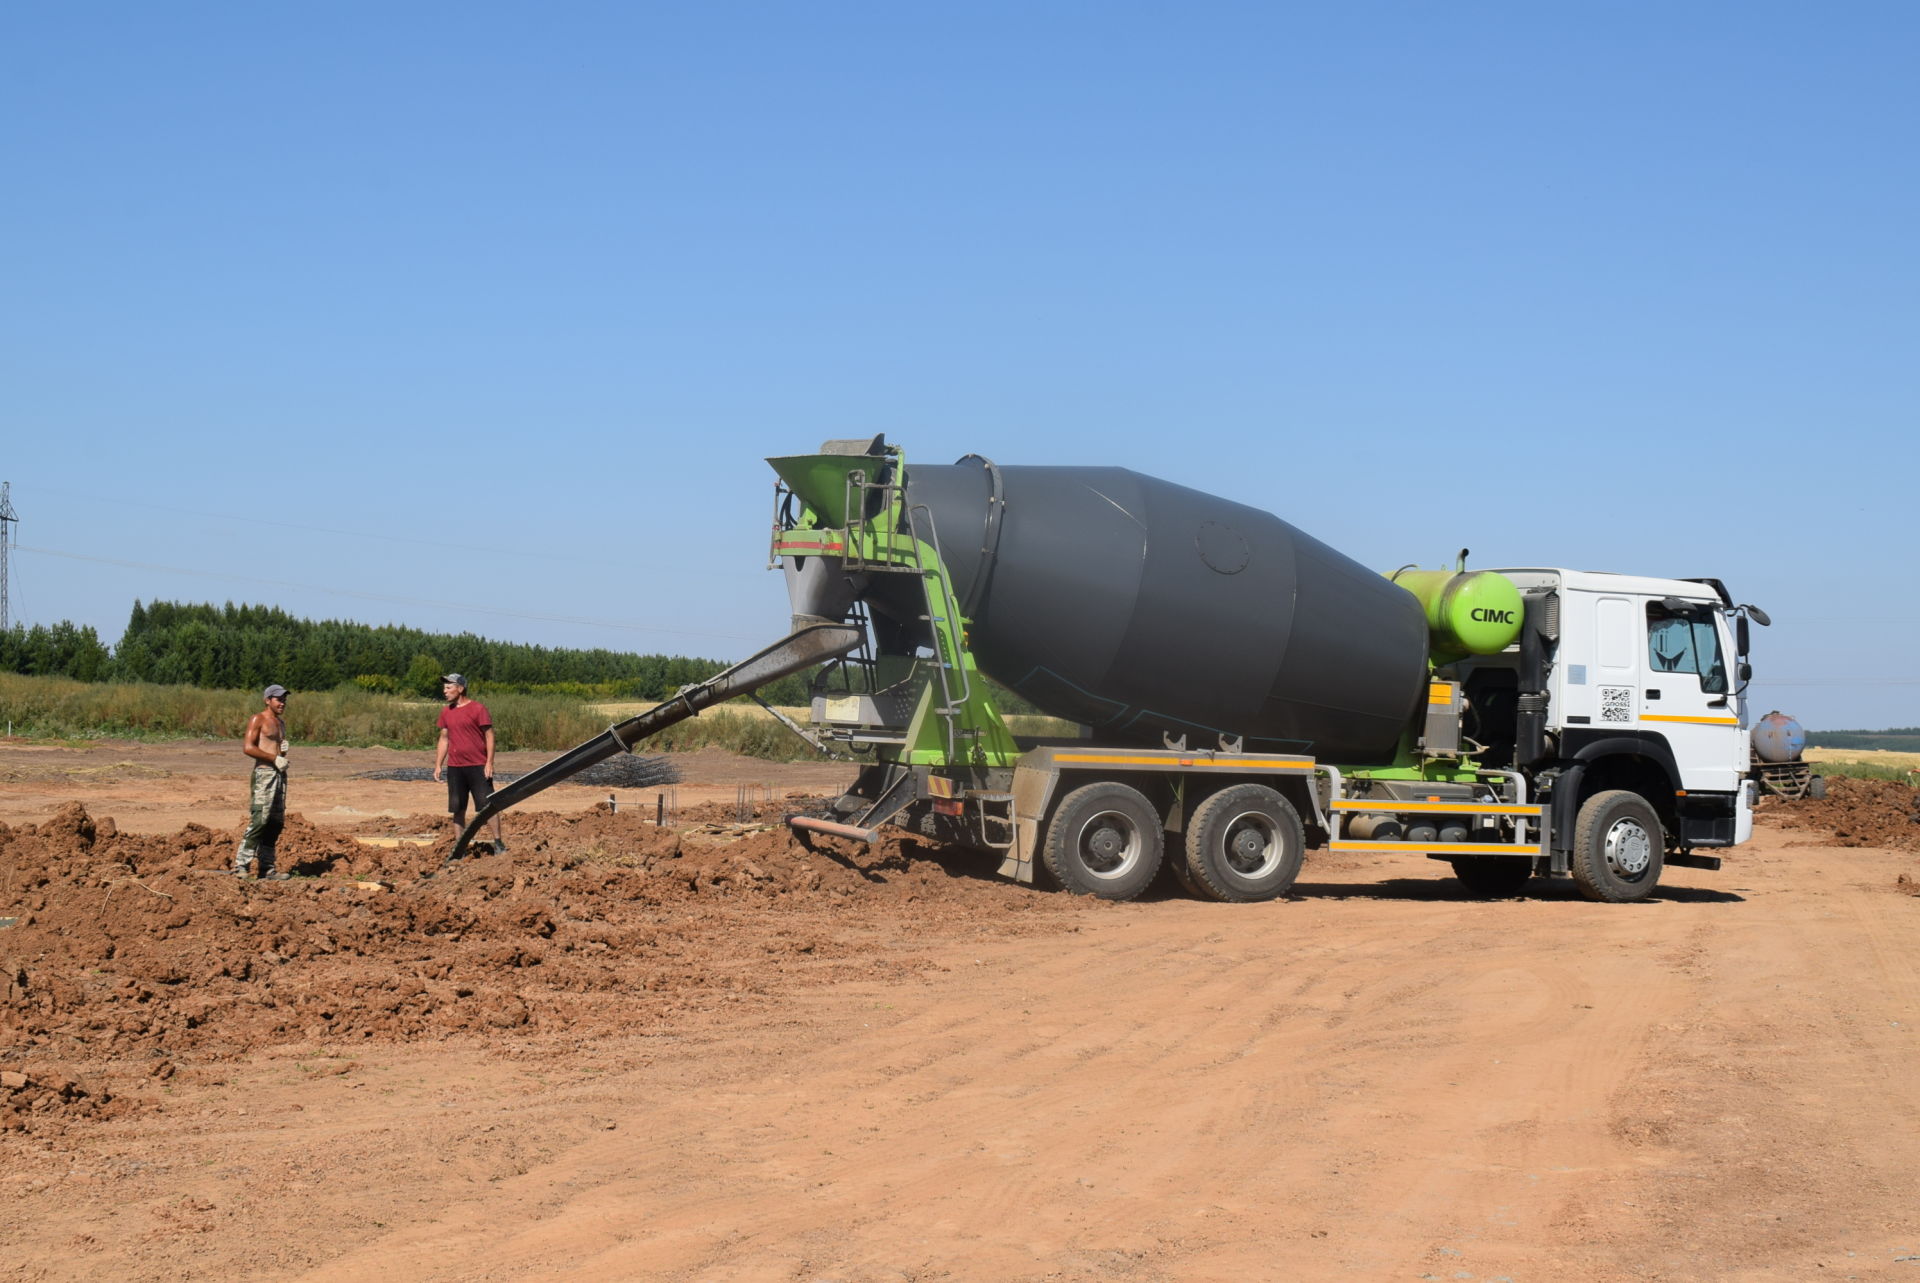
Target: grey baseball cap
275 691
455 678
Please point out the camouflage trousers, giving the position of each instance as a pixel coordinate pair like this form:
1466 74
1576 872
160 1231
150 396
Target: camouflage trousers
266 814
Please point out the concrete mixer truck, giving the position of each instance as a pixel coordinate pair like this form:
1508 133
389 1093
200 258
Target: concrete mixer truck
1240 690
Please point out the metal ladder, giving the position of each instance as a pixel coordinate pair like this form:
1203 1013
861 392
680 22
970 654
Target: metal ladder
995 813
942 607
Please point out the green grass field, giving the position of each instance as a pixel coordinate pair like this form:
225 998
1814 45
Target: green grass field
60 708
63 709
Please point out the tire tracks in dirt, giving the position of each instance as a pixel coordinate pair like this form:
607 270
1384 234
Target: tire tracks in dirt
1380 1079
1328 1083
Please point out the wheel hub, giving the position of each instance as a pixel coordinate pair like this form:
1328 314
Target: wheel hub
1108 845
1252 848
1629 848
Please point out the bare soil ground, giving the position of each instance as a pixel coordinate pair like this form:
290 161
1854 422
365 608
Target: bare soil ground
626 1051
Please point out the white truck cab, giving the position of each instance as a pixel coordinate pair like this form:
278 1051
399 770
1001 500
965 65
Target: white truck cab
1643 681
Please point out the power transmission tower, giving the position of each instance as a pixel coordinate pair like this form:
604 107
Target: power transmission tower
7 514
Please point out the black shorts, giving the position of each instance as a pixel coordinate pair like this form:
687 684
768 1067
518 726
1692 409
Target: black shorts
465 782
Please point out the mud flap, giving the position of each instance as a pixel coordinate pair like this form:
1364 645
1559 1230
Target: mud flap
1032 793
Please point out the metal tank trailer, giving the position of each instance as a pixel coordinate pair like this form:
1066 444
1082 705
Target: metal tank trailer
1238 688
1778 767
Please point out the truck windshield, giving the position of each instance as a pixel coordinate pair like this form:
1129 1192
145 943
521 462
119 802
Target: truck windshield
1686 642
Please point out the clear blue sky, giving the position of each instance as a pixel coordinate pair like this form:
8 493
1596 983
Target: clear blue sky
482 316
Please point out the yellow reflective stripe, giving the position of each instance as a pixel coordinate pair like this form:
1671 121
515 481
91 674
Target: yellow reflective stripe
1115 759
1442 808
1439 848
1696 721
1440 693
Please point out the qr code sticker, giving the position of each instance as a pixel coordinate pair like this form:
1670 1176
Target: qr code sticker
1616 703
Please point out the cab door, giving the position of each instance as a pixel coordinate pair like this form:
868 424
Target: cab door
1687 692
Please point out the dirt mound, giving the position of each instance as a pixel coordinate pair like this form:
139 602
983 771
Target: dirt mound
30 1104
126 946
1876 813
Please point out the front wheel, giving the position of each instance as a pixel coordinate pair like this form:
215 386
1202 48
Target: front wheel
1617 847
1104 840
1245 844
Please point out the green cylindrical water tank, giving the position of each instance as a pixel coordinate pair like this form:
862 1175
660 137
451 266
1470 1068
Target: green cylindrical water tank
1469 612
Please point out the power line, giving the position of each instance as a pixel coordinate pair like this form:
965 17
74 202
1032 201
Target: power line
1836 681
7 517
617 624
470 548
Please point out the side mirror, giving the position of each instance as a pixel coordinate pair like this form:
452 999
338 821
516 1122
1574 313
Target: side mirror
1746 673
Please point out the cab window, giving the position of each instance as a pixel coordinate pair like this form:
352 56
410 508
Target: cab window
1686 641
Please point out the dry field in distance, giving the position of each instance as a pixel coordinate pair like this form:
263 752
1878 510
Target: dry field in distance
1873 756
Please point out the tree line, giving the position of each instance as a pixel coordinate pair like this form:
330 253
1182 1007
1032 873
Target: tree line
238 647
1899 739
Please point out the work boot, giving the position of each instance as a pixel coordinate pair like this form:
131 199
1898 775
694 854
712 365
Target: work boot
278 875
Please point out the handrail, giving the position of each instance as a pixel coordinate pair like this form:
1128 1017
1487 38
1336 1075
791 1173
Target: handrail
943 607
950 603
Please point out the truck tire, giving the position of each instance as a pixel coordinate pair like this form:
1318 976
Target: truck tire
1618 847
1817 787
1493 877
1245 844
1105 840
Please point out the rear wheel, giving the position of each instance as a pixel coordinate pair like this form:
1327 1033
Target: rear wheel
1817 787
1245 844
1104 840
1617 847
1495 877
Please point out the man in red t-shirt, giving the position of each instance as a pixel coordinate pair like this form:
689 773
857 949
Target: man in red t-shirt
465 751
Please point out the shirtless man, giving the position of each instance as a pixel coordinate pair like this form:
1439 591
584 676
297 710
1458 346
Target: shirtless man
266 743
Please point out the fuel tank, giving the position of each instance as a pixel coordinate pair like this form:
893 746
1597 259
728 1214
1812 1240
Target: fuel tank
1144 608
